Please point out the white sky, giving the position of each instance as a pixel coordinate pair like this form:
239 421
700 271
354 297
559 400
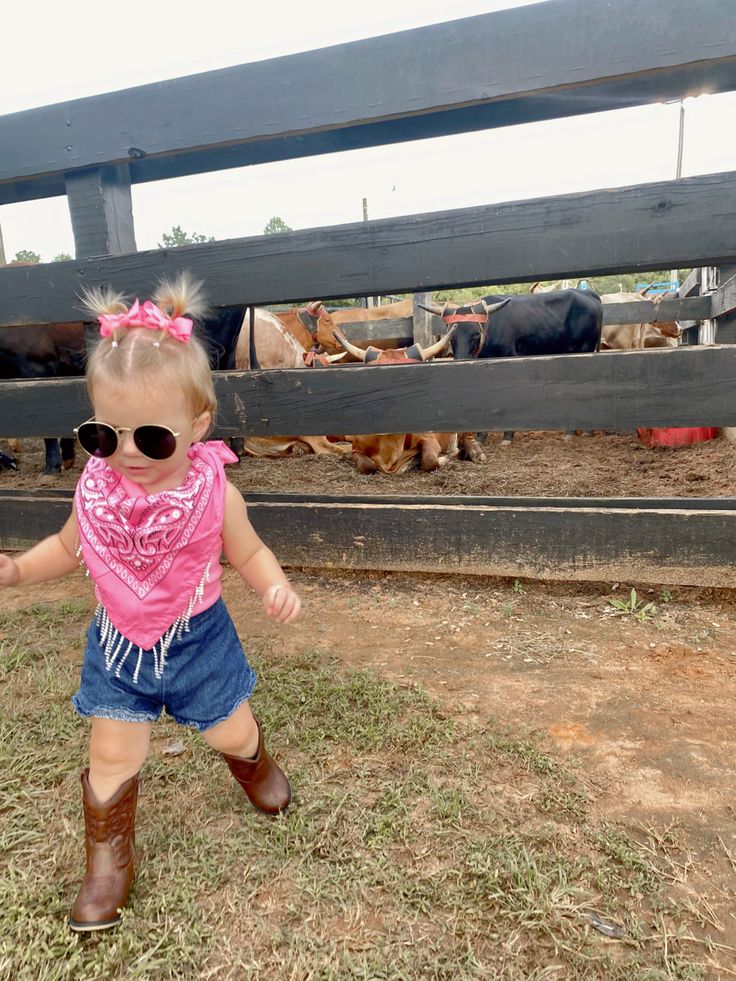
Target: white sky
62 52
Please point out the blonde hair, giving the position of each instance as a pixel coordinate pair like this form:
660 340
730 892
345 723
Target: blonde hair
150 357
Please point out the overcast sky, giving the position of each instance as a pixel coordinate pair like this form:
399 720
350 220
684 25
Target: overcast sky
60 52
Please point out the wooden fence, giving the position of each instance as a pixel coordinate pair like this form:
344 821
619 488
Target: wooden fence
560 58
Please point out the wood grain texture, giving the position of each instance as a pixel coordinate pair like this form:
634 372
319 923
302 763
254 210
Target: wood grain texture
645 227
584 540
689 386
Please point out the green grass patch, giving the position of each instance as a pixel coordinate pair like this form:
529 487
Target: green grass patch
415 848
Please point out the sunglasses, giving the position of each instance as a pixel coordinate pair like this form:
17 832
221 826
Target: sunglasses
99 439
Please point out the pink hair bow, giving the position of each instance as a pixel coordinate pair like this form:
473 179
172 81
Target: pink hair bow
146 315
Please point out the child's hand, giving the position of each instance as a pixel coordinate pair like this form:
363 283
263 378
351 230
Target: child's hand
281 603
9 571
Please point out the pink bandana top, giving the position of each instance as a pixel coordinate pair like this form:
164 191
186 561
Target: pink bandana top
152 556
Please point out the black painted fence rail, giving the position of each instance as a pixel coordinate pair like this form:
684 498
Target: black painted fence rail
688 386
664 225
673 541
542 61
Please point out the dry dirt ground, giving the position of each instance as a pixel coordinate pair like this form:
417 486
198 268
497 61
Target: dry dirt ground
641 707
536 464
639 701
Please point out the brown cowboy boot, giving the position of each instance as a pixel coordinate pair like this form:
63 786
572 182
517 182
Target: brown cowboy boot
110 845
263 781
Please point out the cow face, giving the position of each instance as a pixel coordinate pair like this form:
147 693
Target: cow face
374 355
469 323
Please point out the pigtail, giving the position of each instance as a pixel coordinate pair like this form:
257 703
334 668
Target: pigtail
101 300
181 296
104 302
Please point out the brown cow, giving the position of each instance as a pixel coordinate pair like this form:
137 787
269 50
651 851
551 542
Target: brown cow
321 323
625 337
395 452
276 347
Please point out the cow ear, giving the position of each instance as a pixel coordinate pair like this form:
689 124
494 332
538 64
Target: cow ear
372 354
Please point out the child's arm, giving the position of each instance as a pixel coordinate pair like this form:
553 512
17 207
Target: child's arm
257 564
51 558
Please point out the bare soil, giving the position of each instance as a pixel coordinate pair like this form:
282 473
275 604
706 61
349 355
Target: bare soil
642 705
536 464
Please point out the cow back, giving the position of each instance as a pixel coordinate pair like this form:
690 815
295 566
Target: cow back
561 322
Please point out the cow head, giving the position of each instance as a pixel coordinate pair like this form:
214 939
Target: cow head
315 359
402 355
668 328
318 322
470 322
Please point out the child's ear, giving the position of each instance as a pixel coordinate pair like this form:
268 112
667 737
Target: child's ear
202 425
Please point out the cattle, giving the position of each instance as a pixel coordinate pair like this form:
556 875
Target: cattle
524 325
276 347
625 337
396 452
45 351
58 350
321 323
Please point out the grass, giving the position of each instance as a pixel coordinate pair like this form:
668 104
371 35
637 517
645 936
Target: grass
416 848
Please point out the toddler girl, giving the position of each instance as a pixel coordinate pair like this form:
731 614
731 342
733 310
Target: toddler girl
153 511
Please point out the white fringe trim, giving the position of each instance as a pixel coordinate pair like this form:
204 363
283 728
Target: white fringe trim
112 640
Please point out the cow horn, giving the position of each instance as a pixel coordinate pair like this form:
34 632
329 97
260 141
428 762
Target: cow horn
434 349
437 310
336 357
493 307
357 352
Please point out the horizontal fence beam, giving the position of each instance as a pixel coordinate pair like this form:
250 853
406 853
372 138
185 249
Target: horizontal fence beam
630 312
679 542
645 227
689 386
646 311
560 58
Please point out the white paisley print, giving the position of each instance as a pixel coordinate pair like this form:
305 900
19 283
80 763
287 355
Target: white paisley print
138 538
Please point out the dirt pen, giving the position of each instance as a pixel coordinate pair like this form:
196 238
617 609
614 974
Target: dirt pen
524 772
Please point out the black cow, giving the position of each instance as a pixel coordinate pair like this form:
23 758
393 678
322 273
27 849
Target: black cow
58 351
508 326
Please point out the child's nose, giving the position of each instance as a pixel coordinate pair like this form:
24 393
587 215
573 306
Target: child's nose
127 444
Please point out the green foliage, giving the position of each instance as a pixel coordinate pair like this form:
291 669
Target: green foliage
26 255
276 225
62 257
634 607
177 236
622 282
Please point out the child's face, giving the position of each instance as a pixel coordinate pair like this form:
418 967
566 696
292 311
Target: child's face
132 407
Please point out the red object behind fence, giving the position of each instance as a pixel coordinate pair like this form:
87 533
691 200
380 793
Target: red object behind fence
676 437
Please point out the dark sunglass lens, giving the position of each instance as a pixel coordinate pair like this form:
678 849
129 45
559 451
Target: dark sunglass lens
97 439
155 442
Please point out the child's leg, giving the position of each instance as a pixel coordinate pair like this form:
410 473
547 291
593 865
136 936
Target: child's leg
237 735
240 741
117 751
110 795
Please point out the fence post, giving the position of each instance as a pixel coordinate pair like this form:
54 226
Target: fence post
424 328
101 210
726 324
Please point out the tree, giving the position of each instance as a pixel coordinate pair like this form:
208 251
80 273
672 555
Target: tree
275 226
62 257
177 237
26 255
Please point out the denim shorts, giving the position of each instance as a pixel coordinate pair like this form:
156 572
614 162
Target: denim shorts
206 676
